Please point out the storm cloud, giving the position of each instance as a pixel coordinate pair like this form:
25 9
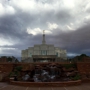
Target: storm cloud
66 23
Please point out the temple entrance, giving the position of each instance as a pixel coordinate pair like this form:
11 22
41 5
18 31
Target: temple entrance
44 59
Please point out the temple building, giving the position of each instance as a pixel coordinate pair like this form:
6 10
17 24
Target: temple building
43 53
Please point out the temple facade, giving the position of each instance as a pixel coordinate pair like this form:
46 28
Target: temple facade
43 53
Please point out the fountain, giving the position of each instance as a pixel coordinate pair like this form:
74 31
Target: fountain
25 77
49 74
44 74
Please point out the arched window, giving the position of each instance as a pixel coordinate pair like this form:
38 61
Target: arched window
43 52
30 54
57 54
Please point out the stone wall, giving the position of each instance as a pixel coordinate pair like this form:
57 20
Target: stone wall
84 70
83 67
6 67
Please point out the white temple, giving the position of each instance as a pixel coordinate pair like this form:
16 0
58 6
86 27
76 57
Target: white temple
43 53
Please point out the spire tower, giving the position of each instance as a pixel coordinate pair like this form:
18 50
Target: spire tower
43 41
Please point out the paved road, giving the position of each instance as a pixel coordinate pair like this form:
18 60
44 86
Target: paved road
4 86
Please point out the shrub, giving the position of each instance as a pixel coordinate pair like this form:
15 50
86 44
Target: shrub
67 66
76 77
18 68
16 71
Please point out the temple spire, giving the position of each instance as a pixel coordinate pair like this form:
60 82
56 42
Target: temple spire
43 41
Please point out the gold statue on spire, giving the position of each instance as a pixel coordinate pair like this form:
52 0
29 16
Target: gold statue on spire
43 31
43 41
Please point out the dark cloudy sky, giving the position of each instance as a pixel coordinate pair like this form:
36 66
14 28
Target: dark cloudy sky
66 23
